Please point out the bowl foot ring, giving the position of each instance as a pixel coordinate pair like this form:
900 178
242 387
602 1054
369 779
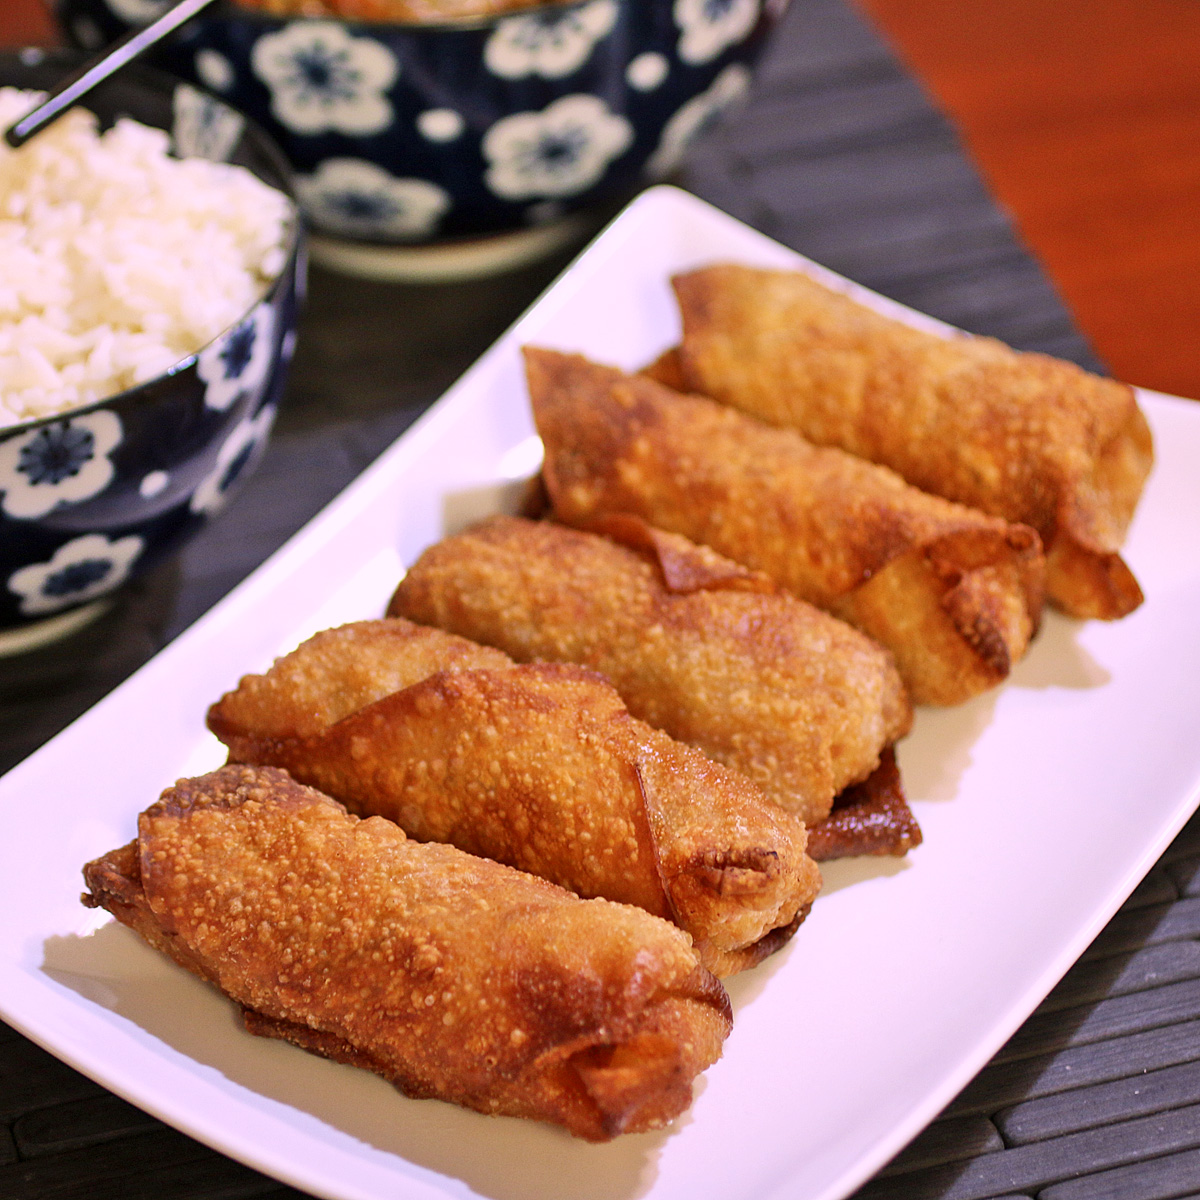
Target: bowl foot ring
444 262
52 629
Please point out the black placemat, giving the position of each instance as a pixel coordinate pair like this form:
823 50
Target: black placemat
840 155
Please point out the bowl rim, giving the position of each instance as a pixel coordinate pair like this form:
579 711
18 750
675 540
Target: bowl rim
226 10
156 80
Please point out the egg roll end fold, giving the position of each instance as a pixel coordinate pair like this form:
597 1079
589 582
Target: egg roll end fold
1023 436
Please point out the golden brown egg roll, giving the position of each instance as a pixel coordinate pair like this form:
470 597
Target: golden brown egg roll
451 976
538 766
954 594
712 653
1029 438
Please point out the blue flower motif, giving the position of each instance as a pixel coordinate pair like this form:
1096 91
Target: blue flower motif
239 450
238 350
238 361
82 569
204 127
710 26
548 43
76 577
561 151
63 462
729 87
352 196
56 453
322 78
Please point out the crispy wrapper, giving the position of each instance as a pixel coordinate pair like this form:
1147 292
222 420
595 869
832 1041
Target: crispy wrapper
954 594
538 766
451 976
872 817
1025 437
714 654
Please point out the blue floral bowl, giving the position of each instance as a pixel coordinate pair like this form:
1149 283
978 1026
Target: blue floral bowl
92 497
410 133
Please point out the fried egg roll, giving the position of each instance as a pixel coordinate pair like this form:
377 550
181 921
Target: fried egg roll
1029 438
451 976
954 594
537 766
712 653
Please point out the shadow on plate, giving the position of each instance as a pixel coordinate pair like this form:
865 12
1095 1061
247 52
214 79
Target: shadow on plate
935 756
1057 660
846 872
181 1016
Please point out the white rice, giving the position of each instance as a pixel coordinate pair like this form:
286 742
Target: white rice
116 260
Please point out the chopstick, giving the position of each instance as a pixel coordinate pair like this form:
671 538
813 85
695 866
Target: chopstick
77 85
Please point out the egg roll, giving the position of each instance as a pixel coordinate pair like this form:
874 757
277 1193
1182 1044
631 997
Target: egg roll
712 653
453 977
538 766
1026 437
954 594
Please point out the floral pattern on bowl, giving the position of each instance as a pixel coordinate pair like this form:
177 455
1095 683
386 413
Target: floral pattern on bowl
357 198
548 43
709 27
237 363
57 462
236 458
324 79
92 497
558 152
80 570
414 133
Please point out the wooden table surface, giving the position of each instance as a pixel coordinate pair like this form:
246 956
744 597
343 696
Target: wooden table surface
1084 116
841 155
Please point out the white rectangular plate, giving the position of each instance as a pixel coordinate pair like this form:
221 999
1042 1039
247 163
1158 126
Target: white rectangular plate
1043 804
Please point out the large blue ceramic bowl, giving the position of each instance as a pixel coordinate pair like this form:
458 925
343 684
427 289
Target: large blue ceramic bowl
92 497
409 133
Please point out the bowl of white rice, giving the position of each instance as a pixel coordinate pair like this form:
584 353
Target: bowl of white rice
150 262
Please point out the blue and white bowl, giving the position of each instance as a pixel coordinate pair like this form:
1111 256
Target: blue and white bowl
414 133
93 497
